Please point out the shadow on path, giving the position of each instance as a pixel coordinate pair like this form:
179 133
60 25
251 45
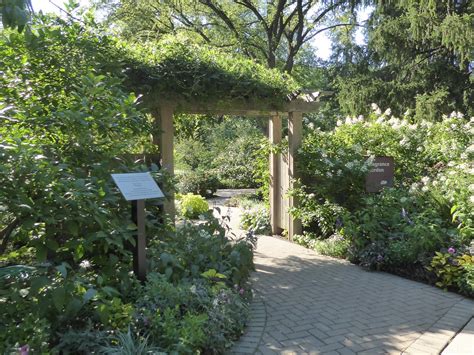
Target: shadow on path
311 304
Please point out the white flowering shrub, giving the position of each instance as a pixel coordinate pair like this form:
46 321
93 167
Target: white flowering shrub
430 207
331 168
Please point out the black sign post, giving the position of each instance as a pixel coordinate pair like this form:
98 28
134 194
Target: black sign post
139 251
137 187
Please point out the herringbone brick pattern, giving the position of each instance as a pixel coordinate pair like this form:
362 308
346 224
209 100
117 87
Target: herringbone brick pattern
310 304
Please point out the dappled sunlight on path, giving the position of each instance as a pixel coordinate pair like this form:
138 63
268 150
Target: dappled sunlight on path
308 303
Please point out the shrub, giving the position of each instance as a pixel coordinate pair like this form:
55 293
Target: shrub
257 219
195 297
180 307
466 281
416 225
453 270
204 183
236 164
323 219
191 206
401 253
224 149
399 229
66 123
336 245
83 341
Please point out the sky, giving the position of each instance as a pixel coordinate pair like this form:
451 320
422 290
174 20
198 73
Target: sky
321 42
47 5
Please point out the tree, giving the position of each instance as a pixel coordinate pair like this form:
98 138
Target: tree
272 32
15 13
420 55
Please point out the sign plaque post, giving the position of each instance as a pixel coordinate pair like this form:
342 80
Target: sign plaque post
380 175
139 251
137 187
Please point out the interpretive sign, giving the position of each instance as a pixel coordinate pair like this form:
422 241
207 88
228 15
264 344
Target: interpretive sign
380 175
137 186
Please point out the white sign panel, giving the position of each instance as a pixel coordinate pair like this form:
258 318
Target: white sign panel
137 186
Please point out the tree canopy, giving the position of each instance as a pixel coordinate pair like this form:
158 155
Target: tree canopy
15 13
272 32
419 56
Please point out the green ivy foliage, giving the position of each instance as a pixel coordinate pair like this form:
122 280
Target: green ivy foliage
177 67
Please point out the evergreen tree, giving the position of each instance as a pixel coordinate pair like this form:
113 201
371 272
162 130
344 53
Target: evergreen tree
420 55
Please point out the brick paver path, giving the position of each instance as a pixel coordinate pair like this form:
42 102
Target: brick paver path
310 304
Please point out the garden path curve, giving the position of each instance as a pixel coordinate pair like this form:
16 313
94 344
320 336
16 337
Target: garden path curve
311 304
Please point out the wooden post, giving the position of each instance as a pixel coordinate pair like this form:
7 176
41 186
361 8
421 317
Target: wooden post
295 137
166 144
139 251
274 135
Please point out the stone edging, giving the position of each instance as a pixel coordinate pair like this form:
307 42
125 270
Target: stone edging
250 341
435 339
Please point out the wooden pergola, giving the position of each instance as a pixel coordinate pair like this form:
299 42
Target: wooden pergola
282 166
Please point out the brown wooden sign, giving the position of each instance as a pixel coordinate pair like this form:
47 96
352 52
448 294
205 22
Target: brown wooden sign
380 175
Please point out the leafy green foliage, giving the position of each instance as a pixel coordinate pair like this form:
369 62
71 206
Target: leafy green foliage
191 206
204 183
466 281
83 341
270 32
398 229
453 270
418 57
236 165
67 122
177 66
225 154
190 315
409 227
336 246
256 218
198 249
127 343
15 13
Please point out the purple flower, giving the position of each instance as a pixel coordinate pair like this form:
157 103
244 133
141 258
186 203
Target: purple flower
451 250
379 258
24 350
241 291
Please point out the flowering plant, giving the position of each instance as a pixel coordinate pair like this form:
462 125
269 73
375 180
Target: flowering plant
430 207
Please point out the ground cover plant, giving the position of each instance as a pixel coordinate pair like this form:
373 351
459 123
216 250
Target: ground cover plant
255 216
67 123
423 226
